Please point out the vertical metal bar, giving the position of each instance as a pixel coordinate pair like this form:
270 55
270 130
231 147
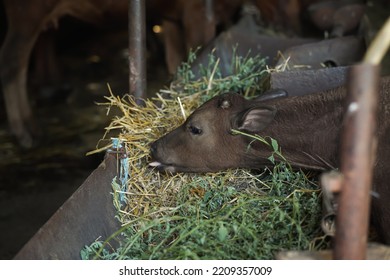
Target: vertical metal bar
209 4
209 27
137 50
357 158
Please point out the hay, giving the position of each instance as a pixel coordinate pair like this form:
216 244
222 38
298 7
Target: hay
235 214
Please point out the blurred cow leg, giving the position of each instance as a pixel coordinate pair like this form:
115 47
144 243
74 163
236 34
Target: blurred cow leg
174 46
14 58
46 70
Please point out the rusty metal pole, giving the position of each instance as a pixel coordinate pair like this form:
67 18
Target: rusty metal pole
358 149
137 50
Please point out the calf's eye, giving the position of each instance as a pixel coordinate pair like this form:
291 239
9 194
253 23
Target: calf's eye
194 130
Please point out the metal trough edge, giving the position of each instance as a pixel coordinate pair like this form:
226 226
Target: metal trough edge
86 215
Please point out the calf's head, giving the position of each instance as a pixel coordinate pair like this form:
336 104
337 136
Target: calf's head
206 143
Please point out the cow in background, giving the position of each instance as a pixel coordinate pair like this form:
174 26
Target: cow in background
185 22
187 25
26 20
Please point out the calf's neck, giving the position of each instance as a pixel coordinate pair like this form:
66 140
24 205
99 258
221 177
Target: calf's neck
307 129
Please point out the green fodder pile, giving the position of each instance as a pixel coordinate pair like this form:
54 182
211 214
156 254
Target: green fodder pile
234 214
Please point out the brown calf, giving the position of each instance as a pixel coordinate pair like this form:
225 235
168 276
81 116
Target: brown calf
307 129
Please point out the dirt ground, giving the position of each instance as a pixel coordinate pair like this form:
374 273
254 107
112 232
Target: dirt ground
34 183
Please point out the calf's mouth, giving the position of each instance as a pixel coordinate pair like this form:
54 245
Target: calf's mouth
170 168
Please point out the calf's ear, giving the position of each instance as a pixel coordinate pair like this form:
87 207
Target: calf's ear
255 119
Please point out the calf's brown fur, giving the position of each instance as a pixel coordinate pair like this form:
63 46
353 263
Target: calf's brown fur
307 129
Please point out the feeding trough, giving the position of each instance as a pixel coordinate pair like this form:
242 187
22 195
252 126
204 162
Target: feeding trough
86 215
